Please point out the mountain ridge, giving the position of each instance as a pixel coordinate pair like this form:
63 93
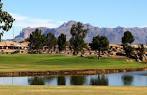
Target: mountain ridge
113 34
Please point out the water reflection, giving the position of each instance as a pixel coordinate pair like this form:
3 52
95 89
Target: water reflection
100 80
127 79
36 81
77 80
117 79
61 80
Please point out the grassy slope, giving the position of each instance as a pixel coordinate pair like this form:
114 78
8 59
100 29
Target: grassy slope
80 90
60 62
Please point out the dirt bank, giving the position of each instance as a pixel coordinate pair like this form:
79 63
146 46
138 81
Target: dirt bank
68 72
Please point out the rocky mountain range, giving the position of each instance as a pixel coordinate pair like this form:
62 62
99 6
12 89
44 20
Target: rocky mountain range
113 34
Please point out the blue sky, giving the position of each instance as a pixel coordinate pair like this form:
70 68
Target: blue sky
52 13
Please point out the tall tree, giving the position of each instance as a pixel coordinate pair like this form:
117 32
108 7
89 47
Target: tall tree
62 42
78 33
127 40
99 43
51 41
37 40
6 21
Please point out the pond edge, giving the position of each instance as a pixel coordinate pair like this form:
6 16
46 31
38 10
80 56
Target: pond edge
68 72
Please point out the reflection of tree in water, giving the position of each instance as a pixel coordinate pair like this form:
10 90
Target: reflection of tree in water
77 80
40 80
127 79
36 81
61 80
49 78
100 80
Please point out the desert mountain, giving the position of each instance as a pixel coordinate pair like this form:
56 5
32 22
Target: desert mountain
113 34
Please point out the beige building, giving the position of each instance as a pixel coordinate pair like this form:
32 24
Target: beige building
10 47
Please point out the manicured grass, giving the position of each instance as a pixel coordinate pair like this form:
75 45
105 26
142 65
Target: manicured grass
78 90
44 62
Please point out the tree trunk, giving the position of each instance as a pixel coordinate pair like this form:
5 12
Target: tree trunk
0 37
75 53
48 50
99 54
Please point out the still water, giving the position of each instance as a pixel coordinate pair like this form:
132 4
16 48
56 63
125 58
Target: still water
116 79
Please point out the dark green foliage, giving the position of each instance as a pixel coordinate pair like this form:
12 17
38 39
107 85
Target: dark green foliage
100 80
6 21
127 80
61 80
51 41
77 80
128 38
62 42
100 43
77 44
37 40
78 34
141 51
36 81
128 51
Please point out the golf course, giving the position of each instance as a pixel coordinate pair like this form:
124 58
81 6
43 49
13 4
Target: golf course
73 47
45 62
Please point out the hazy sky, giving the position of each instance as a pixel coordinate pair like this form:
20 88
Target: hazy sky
52 13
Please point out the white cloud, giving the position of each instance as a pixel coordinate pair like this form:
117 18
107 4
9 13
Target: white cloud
24 21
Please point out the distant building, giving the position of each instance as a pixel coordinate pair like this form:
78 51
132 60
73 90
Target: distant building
10 47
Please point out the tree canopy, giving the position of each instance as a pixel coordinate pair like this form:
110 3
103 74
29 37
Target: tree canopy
100 43
51 41
6 20
78 33
128 38
62 42
37 40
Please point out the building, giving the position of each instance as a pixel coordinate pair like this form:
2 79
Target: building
10 47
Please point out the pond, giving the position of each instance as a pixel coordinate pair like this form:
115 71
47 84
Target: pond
115 79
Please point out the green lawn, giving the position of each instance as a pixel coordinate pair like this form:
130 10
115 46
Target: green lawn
78 90
60 62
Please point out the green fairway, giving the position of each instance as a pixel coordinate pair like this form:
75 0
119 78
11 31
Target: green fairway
78 90
60 62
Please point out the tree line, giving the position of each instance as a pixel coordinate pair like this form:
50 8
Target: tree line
77 44
38 41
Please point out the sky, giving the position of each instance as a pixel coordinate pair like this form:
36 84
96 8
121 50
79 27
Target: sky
53 13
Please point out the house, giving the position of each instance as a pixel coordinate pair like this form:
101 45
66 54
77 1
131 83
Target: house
10 47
